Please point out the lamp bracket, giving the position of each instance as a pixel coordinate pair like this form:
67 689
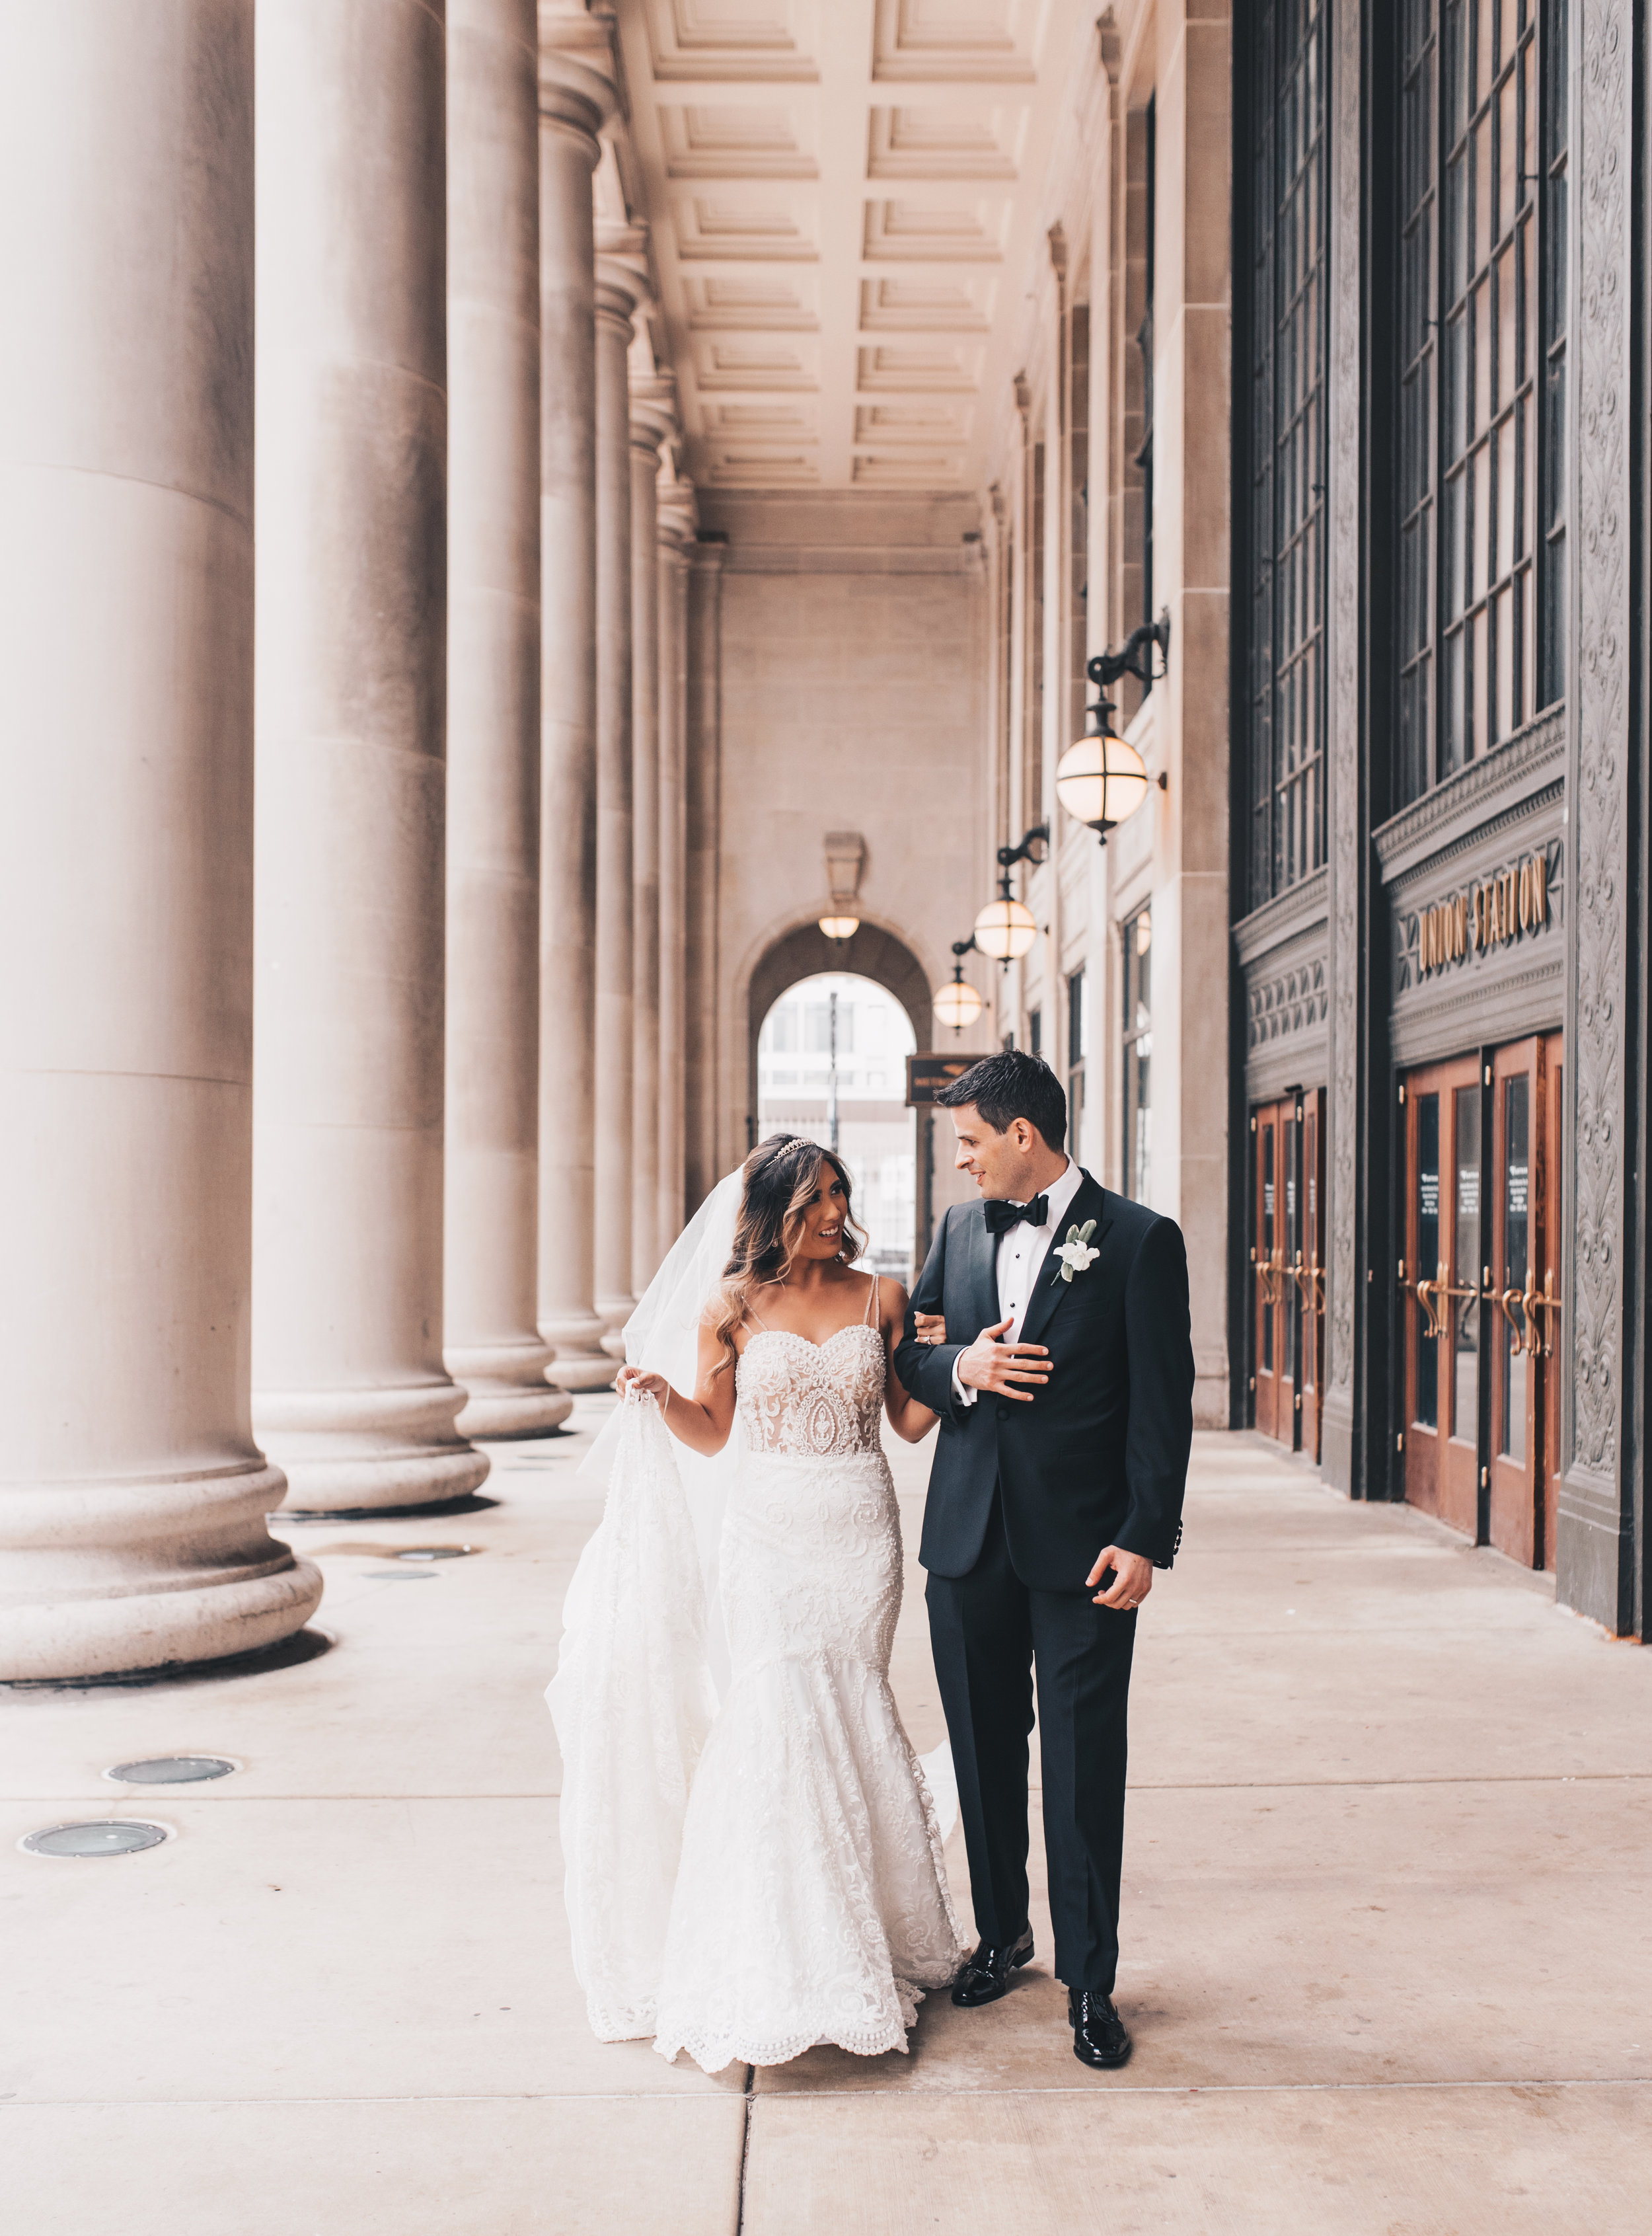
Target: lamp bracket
1135 655
1034 848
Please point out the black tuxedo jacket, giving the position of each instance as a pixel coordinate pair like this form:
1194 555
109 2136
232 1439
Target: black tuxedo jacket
1100 1456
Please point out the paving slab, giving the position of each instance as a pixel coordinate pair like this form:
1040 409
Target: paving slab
346 1949
500 2167
1504 2161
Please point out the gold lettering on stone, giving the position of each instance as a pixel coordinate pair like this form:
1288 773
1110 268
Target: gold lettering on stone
1504 908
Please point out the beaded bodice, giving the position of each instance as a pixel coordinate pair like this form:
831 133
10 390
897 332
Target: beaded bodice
812 1400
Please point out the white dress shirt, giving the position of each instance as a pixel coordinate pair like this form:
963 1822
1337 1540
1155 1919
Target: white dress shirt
1022 1250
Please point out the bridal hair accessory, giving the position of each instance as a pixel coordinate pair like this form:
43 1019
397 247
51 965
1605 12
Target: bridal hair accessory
1078 1254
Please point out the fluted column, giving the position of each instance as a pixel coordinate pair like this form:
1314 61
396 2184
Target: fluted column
132 1530
573 103
350 1393
651 418
621 286
676 508
492 1344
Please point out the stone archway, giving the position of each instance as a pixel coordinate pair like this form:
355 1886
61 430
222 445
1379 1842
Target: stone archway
805 952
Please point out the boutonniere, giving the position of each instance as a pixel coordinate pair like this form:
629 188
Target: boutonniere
1076 1253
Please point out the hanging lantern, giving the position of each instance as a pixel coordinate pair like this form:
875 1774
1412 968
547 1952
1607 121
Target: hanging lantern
1102 779
1005 929
840 928
957 1004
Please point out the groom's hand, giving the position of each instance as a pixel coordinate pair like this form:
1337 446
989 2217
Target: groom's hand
991 1364
1133 1574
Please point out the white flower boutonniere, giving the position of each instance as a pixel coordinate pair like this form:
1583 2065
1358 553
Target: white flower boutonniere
1076 1253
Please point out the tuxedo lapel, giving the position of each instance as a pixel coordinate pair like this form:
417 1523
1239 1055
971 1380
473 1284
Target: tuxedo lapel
1090 1202
983 1277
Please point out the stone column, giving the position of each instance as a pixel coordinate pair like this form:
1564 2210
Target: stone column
705 1163
1354 1434
573 102
650 421
350 1390
132 1512
1600 1508
676 506
1192 317
492 1344
621 287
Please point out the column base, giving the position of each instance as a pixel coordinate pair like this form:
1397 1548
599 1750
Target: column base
345 1450
614 1312
578 1361
105 1577
508 1389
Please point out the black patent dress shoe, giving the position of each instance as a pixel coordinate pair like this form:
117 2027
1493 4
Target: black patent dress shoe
990 1972
1099 2034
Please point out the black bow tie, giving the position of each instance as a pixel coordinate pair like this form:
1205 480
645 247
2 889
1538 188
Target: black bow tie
1001 1216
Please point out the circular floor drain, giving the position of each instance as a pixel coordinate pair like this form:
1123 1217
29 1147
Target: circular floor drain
398 1577
106 1838
172 1770
435 1553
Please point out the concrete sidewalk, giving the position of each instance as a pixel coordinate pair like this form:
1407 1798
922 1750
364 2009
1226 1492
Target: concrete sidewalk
1388 1935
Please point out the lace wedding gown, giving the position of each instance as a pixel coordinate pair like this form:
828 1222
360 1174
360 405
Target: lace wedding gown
811 1903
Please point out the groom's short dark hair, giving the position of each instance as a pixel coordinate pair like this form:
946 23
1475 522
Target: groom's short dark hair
1009 1085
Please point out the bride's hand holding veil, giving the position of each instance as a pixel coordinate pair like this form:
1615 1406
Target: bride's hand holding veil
701 1421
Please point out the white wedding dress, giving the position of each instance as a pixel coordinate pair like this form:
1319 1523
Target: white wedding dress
806 1900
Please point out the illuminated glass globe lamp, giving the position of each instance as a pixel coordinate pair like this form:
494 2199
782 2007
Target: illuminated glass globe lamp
840 928
1005 927
957 1004
1101 778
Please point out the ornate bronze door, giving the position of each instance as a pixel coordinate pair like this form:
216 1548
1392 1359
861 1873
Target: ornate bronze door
1308 1270
1275 1136
1440 1279
1522 1279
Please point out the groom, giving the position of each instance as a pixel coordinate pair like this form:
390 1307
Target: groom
1056 1491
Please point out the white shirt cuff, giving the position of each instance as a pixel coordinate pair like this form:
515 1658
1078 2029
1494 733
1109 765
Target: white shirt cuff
964 1396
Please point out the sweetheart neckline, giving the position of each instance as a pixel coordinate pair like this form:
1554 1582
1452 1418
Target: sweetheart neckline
849 1327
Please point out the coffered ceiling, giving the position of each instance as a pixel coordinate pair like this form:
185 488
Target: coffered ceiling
843 198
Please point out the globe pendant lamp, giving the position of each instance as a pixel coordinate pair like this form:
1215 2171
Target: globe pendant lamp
957 1004
1101 778
1005 929
840 928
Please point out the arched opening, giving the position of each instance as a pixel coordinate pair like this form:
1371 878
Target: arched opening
887 1146
831 1066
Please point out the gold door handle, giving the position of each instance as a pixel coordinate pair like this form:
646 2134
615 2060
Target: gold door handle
1427 1291
1521 1326
1545 1301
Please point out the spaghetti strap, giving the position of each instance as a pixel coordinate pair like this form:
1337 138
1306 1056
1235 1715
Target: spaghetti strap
871 1304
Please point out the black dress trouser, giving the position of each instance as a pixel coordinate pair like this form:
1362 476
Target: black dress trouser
989 1630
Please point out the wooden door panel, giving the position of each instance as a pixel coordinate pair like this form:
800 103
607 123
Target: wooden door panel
1514 1464
1441 1330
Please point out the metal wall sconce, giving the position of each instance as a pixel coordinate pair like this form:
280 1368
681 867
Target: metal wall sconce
1005 929
1101 778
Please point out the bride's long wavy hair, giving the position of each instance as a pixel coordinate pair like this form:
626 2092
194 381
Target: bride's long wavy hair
781 1176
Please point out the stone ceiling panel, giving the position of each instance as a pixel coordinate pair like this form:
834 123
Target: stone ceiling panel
842 194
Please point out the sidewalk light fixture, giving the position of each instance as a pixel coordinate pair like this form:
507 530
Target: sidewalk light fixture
957 1004
1101 778
1005 929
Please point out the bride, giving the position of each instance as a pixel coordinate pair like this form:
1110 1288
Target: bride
784 1871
